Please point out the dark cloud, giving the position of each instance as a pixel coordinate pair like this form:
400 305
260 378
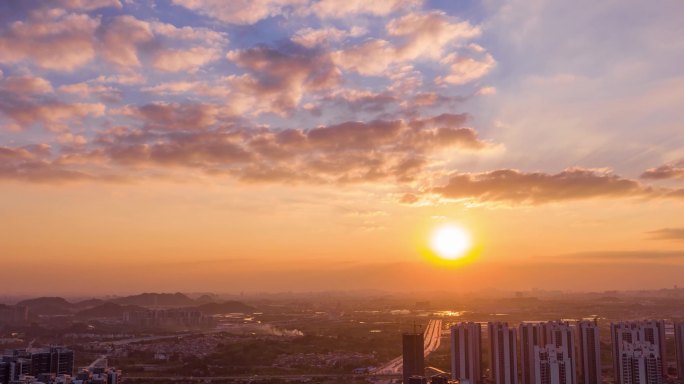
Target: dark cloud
516 187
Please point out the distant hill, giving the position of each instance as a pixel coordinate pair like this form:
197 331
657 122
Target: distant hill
226 307
49 306
90 303
107 309
157 300
206 299
97 308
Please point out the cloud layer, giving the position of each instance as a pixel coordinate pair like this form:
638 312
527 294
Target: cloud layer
286 91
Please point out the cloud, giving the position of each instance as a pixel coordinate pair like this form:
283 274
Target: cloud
54 39
348 152
463 69
241 12
89 5
120 40
511 186
172 116
667 171
645 255
278 79
50 112
50 39
310 37
88 89
422 36
33 164
667 234
428 34
189 60
26 85
342 9
370 58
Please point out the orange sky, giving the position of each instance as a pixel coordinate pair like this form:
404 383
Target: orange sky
316 144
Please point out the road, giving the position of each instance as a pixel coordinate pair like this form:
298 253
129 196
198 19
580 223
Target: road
433 334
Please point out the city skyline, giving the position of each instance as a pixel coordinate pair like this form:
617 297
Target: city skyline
316 145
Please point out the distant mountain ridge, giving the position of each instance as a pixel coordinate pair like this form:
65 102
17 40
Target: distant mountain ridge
157 300
115 307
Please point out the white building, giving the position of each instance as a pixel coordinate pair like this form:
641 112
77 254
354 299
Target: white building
553 365
589 352
466 353
503 353
636 332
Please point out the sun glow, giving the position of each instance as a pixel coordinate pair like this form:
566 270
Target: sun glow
450 242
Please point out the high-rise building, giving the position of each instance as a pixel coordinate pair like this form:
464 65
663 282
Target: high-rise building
589 352
640 363
561 335
61 361
623 333
531 335
412 346
679 346
503 353
466 353
553 365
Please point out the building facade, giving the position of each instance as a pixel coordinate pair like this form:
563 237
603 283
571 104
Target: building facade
412 347
624 334
531 336
503 353
466 353
553 365
640 363
589 352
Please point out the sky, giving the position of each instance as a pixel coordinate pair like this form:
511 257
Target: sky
313 145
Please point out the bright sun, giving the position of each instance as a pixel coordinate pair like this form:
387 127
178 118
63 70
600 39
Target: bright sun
450 242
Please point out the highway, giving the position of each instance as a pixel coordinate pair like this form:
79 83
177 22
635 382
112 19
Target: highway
433 334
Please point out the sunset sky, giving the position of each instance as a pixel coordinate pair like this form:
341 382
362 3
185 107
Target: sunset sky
295 145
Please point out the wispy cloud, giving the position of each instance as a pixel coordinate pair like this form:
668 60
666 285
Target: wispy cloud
667 234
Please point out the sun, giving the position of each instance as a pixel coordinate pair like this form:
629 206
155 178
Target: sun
450 242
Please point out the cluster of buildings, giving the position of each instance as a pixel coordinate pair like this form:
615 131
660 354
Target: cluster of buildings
53 365
19 363
167 318
557 352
